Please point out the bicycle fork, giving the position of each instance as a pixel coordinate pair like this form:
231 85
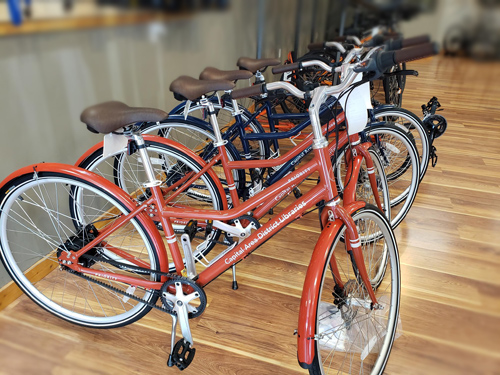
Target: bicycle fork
334 217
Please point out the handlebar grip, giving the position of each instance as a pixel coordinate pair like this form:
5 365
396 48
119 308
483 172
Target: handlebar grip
386 60
285 68
247 91
416 53
415 41
316 46
397 44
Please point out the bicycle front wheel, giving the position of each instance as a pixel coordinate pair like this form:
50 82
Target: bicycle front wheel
350 337
36 226
401 165
364 191
410 122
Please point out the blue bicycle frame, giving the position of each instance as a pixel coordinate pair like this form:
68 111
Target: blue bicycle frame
238 130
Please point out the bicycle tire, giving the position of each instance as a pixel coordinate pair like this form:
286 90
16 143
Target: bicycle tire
35 225
338 325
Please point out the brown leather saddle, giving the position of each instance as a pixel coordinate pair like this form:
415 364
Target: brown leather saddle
110 116
253 65
192 89
228 75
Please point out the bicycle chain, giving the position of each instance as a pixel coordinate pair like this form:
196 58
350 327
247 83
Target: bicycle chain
131 296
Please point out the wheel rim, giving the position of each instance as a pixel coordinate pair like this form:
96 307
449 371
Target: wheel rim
409 123
401 165
41 219
358 340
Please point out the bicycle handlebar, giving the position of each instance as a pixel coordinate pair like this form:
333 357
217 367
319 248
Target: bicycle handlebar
322 45
286 68
264 88
416 52
315 46
398 44
378 64
383 61
248 91
301 65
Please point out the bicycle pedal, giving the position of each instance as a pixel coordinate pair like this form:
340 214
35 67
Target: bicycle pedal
191 228
297 193
182 355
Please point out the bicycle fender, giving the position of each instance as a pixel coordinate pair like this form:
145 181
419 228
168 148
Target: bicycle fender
309 300
101 182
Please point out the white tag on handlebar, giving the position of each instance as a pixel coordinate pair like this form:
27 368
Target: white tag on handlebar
356 108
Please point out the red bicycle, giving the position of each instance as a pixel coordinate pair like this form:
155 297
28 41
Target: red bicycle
84 250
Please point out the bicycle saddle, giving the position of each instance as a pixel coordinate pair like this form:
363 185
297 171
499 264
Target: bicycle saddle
110 116
253 65
191 88
228 75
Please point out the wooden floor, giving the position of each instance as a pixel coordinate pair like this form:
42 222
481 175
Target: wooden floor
450 256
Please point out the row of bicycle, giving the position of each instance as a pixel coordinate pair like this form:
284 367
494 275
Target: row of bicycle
89 242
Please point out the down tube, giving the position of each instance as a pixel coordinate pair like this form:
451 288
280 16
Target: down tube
273 226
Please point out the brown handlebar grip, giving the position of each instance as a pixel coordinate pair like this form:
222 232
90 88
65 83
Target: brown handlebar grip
285 68
247 91
416 53
415 41
316 46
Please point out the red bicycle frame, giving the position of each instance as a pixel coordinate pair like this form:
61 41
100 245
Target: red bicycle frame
333 217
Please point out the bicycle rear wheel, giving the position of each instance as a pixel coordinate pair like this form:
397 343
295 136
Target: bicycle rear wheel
36 225
198 138
350 337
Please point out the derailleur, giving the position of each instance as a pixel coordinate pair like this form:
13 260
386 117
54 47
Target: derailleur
184 300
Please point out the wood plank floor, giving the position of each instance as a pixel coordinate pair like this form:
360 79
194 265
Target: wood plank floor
450 256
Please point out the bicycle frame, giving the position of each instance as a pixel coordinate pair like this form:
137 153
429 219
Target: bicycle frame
325 191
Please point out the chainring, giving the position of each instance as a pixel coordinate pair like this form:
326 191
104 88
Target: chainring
188 287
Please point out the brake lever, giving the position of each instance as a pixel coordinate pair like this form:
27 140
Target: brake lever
369 67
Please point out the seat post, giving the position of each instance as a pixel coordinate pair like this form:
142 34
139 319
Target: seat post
213 120
146 162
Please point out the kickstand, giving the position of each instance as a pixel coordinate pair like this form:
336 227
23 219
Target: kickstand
235 283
